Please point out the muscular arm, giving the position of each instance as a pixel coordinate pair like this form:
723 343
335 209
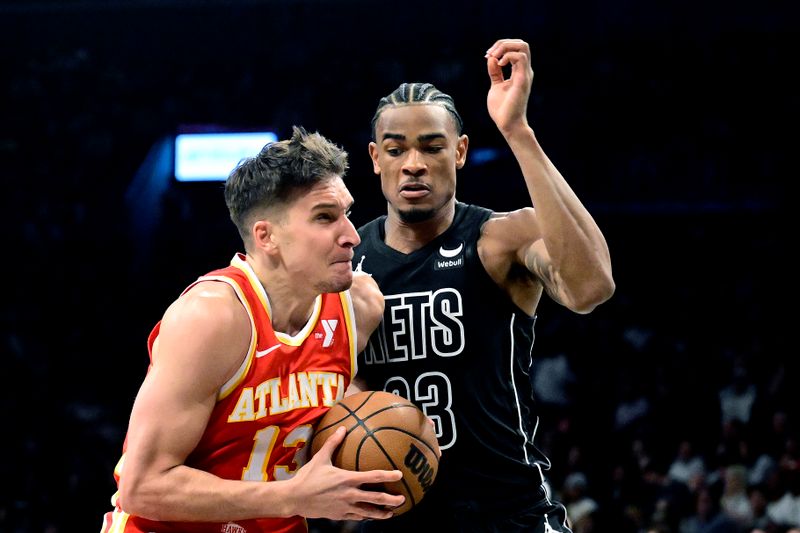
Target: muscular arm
368 306
558 242
368 303
204 337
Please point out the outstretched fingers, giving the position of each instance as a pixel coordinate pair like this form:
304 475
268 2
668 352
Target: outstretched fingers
373 503
377 476
380 499
368 512
373 498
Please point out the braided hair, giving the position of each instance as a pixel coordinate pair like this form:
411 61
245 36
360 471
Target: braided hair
418 93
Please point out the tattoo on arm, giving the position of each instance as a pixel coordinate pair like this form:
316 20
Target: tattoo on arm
544 271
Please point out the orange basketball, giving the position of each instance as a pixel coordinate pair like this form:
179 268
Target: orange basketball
384 432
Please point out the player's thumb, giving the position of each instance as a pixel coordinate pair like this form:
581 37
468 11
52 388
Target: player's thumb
494 69
332 442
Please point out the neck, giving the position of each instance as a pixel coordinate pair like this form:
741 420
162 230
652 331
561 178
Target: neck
407 237
291 305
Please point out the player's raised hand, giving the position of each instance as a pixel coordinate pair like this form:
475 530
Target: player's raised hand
507 100
322 490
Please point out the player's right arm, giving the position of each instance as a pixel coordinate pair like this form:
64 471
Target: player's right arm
204 337
558 242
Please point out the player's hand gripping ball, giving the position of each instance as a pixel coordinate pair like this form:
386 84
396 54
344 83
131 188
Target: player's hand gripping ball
384 432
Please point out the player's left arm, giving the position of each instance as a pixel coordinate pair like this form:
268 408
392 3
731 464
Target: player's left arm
367 305
558 241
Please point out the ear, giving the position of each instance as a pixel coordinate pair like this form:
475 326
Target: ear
461 151
373 154
264 236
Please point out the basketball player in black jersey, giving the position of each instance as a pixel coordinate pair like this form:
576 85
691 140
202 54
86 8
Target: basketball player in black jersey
461 286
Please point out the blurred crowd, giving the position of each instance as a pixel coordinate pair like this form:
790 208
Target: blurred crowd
700 444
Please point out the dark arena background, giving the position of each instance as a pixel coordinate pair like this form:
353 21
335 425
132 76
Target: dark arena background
673 121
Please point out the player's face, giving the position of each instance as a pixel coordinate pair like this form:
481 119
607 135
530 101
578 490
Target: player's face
417 152
316 238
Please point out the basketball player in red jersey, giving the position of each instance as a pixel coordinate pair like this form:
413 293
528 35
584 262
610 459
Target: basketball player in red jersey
249 357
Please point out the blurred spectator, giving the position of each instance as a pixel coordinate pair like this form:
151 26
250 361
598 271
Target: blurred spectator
632 406
687 465
737 398
581 508
762 469
707 516
735 502
758 507
786 510
671 500
553 380
734 445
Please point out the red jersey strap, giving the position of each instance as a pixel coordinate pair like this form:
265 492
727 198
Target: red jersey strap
249 290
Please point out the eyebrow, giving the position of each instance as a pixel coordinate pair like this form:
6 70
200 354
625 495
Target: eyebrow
422 138
332 206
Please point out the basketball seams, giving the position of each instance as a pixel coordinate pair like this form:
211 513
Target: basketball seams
414 408
409 434
348 412
371 431
375 448
359 422
354 413
378 443
339 421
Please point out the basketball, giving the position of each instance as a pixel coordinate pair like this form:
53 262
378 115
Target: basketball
384 432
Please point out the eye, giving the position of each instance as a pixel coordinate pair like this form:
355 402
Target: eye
434 149
393 151
324 217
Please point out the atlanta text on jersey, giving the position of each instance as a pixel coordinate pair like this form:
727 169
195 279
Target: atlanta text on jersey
303 392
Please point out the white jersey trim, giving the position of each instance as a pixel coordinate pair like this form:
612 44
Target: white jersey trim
516 395
352 330
241 372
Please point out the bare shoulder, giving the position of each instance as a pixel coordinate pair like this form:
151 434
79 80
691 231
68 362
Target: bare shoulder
206 331
368 305
367 296
502 239
506 232
209 303
363 284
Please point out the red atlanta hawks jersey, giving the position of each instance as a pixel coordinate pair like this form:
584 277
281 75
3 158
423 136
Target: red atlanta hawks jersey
267 411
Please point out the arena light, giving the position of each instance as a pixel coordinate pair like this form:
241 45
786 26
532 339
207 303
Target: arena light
212 156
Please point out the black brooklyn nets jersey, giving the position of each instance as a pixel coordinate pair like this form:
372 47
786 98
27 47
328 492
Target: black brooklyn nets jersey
453 343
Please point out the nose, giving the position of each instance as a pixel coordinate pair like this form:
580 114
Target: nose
414 163
349 237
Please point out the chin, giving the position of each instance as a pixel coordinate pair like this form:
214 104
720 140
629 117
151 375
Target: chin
415 214
341 283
